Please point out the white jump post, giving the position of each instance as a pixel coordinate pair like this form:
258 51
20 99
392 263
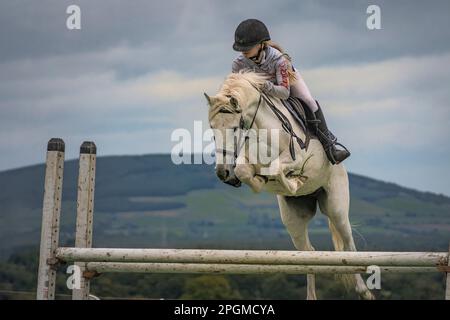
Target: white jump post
447 287
85 212
50 219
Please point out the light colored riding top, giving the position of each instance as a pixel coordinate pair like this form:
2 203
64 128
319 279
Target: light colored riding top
275 65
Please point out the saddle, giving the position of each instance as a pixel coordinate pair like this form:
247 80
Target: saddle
303 115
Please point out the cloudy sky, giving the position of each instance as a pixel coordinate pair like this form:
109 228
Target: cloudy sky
137 70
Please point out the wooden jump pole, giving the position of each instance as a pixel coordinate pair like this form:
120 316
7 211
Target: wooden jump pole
352 258
223 268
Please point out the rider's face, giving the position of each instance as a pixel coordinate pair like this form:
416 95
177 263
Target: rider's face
252 52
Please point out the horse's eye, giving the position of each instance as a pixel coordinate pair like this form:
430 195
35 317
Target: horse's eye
224 110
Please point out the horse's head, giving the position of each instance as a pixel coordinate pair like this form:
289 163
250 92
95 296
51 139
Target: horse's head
228 111
224 118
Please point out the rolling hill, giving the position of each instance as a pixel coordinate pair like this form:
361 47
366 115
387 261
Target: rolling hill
146 201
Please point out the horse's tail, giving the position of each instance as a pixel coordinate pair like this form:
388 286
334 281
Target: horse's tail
349 280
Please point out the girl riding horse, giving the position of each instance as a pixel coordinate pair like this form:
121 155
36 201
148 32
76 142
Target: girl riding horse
259 54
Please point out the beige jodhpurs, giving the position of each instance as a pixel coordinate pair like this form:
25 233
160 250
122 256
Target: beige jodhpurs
300 90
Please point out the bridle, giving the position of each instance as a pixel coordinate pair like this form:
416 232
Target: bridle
238 143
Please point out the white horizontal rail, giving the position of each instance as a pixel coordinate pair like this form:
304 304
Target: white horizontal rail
102 267
331 258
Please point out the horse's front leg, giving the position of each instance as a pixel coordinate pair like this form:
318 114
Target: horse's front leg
247 174
280 167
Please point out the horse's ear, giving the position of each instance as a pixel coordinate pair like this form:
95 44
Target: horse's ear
235 104
209 99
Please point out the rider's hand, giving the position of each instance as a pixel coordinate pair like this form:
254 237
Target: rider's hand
267 86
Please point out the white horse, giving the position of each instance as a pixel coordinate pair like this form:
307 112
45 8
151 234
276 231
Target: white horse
312 179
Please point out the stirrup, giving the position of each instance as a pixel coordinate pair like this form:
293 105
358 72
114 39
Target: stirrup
330 155
341 145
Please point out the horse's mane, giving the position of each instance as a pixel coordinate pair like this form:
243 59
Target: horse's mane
236 85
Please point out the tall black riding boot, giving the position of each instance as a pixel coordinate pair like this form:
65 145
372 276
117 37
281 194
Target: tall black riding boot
329 141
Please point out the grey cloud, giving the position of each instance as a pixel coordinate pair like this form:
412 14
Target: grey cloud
318 32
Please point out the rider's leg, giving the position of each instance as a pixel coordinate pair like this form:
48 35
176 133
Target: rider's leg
328 140
300 89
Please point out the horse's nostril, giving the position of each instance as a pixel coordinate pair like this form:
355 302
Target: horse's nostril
227 173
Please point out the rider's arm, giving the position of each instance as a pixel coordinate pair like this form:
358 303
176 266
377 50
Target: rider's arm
282 88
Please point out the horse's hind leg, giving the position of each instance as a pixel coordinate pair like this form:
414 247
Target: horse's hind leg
334 202
296 212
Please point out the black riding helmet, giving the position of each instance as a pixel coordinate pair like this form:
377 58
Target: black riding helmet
249 33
